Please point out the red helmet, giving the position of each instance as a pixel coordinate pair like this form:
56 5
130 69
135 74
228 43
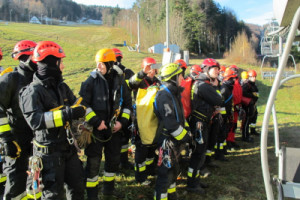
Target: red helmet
148 61
1 55
47 48
234 68
24 47
209 63
181 63
229 74
196 69
118 52
222 68
252 73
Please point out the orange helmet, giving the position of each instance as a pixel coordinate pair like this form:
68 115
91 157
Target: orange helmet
252 73
24 47
181 63
222 68
229 74
148 61
1 55
118 52
47 48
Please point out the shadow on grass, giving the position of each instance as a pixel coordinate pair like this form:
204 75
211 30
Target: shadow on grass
118 45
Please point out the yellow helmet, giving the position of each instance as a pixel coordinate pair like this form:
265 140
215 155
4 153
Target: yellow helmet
169 70
105 55
244 75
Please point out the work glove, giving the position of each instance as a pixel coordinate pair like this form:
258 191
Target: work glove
73 112
12 149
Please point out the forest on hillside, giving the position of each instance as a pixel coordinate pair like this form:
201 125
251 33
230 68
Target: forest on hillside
22 10
201 26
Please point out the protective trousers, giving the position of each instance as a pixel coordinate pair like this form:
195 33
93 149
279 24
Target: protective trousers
233 127
144 161
112 153
16 176
250 117
214 131
165 187
2 177
198 156
252 122
124 146
62 168
221 144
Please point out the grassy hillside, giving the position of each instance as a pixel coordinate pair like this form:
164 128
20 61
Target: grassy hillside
79 43
240 178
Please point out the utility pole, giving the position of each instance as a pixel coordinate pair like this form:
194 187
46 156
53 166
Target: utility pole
138 20
130 31
219 43
51 17
230 44
167 23
10 15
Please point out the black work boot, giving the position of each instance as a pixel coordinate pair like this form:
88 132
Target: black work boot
92 193
194 186
253 132
173 196
219 155
248 139
235 145
195 189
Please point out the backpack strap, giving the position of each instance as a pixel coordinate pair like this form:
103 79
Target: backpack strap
165 87
230 97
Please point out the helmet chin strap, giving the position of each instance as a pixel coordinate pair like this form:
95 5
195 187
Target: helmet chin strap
27 63
177 81
58 63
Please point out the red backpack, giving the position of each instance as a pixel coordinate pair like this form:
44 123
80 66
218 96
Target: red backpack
186 96
237 93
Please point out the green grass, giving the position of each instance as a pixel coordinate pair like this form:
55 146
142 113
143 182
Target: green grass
240 178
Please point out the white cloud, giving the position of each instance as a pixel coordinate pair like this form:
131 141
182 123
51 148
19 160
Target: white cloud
261 19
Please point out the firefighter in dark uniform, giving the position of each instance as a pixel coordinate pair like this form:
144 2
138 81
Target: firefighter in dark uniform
173 131
214 131
250 90
237 103
48 107
15 134
229 78
1 68
2 175
144 154
126 133
108 101
204 100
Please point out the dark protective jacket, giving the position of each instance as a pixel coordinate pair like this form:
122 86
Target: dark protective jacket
141 80
37 102
250 90
12 123
128 72
226 91
170 114
103 96
204 99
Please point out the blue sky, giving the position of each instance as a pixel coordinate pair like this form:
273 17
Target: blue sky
250 11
